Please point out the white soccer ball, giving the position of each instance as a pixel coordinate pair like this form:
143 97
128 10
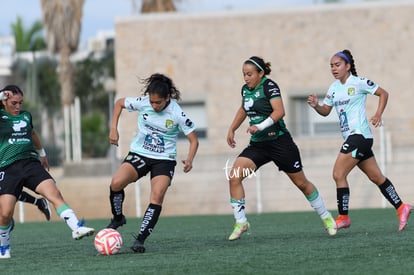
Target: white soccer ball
108 241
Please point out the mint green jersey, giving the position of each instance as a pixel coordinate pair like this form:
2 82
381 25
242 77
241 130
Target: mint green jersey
257 105
16 138
349 101
158 131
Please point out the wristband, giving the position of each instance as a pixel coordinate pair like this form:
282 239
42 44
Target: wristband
3 96
264 124
41 152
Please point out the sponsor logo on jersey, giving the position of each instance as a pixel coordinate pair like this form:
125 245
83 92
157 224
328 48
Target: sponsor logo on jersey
342 102
188 123
154 142
370 83
248 103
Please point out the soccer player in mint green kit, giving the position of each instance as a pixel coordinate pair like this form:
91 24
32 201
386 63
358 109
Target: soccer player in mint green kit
270 141
23 163
153 150
348 96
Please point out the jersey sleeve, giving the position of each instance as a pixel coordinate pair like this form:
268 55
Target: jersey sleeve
328 99
134 103
271 89
368 86
185 124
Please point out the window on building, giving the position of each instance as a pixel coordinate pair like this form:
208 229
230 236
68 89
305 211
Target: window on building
307 122
196 111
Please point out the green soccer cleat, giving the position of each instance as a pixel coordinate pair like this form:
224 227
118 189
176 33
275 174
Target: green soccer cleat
239 228
330 225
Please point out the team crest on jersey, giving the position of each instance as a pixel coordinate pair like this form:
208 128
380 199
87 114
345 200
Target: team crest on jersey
257 94
169 124
351 91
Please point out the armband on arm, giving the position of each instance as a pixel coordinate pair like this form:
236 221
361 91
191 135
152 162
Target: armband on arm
41 152
265 123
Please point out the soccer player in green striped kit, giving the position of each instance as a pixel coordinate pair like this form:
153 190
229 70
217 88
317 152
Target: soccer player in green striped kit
23 163
270 141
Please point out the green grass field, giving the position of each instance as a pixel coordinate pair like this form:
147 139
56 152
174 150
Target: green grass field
278 243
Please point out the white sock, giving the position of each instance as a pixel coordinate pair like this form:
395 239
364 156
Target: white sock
239 210
70 218
5 235
318 204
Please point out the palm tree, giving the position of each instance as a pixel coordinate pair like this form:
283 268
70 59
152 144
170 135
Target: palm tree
157 6
30 39
62 21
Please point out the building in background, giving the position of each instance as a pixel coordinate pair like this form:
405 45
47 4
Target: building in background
204 53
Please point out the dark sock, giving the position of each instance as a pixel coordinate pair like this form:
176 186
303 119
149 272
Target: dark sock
149 221
389 192
342 200
116 199
26 197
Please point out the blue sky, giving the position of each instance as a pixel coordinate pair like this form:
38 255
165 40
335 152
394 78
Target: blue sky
101 14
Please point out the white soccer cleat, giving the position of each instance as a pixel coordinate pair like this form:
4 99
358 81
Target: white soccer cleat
5 251
81 232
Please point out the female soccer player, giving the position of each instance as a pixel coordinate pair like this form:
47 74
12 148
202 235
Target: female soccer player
348 94
270 141
23 163
153 150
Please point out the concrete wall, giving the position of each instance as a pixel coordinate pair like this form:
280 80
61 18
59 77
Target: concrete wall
203 53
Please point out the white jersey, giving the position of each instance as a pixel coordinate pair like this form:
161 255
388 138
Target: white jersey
158 131
349 100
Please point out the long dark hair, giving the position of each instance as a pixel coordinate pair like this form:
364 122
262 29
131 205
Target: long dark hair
350 60
14 89
260 64
161 85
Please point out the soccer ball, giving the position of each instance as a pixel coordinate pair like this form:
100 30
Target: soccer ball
108 241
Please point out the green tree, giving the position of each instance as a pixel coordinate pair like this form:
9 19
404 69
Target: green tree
38 76
94 135
90 75
30 39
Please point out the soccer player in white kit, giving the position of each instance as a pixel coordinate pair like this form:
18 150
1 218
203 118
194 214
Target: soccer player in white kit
348 96
153 150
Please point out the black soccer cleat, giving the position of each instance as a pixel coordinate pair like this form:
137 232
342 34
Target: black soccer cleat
43 206
114 224
138 247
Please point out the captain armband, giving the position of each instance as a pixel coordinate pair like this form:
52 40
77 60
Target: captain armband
265 123
41 152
